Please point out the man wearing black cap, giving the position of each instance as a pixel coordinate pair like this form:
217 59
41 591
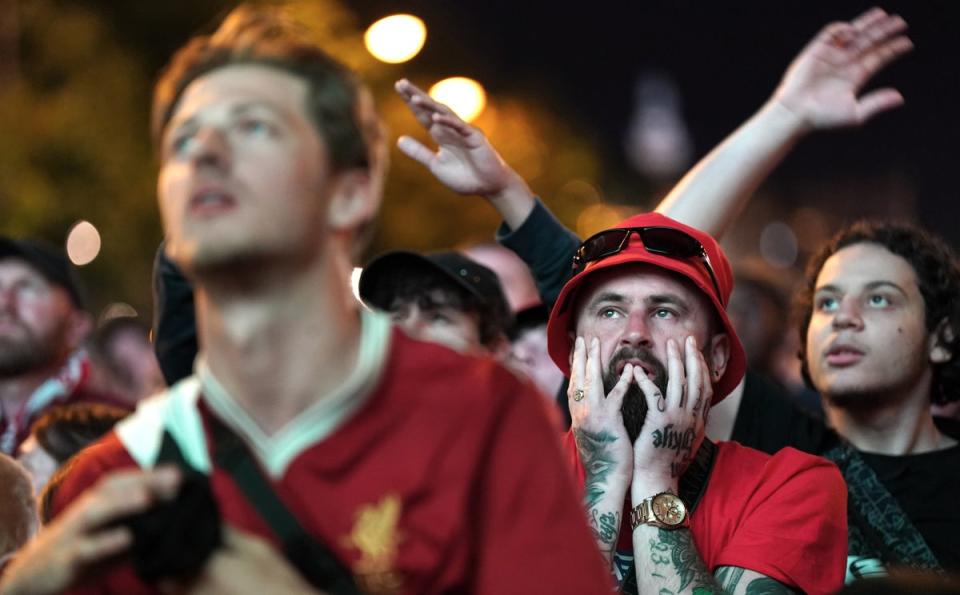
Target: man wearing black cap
42 324
444 297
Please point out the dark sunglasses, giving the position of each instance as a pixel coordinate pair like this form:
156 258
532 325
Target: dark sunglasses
665 241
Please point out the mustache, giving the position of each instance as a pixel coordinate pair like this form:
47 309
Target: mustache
646 357
634 408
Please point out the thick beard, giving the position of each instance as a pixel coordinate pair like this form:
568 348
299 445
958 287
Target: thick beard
30 352
634 408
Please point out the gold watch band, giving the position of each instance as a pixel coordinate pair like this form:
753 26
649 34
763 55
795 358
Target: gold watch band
644 513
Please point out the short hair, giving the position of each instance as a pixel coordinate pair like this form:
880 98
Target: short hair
64 431
339 106
18 509
422 285
938 279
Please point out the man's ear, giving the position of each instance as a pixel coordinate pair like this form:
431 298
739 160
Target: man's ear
354 200
79 326
938 344
719 356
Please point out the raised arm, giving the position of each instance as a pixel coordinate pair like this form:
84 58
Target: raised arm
464 161
820 91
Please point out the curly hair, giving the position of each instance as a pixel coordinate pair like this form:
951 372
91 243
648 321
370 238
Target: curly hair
938 279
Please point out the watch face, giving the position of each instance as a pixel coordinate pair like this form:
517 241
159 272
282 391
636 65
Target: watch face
668 509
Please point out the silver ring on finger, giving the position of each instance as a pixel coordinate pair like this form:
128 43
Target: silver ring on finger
578 394
662 404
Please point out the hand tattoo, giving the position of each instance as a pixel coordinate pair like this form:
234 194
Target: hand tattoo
674 439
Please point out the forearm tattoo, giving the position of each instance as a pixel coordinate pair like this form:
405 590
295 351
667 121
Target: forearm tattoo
729 577
605 527
680 441
597 460
674 549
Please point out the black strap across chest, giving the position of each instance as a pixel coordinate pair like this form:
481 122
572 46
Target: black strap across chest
310 556
877 525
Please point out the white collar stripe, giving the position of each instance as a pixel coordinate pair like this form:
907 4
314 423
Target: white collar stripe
316 422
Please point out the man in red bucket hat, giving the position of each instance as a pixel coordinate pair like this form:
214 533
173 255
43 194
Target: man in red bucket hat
642 332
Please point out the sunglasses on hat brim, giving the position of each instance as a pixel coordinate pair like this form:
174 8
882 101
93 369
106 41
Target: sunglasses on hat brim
663 241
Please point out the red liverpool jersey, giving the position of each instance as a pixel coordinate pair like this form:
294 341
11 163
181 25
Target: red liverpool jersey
448 478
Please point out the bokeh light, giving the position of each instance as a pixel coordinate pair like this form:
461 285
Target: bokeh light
117 310
83 243
463 95
396 38
598 217
778 245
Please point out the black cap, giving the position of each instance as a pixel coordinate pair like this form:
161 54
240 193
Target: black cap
379 279
529 318
47 260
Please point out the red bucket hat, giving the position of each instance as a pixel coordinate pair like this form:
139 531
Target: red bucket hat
559 341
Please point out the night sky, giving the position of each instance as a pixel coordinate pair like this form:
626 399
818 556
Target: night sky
582 60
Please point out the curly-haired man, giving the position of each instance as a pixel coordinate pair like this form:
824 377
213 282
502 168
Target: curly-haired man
877 317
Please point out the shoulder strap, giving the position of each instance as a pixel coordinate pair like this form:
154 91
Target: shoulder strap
877 524
693 482
309 556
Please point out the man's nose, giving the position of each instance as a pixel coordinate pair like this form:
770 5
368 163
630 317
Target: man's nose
848 314
211 149
413 322
636 333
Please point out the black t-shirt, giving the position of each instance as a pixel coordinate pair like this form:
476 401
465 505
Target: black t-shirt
768 420
927 486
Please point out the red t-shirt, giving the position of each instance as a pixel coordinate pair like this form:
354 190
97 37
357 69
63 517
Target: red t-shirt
448 479
784 516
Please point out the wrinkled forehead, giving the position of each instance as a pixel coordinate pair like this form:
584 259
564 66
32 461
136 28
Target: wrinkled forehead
866 263
638 283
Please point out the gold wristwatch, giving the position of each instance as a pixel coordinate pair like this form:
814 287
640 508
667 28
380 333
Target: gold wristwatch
663 510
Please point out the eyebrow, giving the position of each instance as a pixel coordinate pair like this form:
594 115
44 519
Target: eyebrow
658 299
607 296
669 299
868 287
238 109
